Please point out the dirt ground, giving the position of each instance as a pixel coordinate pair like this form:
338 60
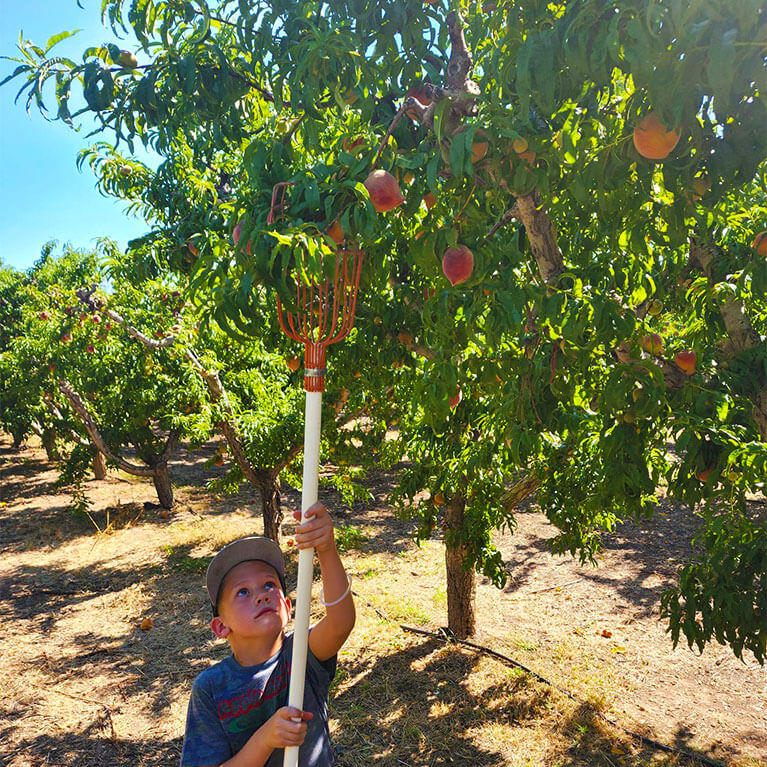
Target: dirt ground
82 684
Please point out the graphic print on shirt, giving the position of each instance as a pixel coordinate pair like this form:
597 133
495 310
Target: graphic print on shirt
250 710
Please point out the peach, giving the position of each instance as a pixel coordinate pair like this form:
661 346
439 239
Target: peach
237 233
384 191
336 232
760 243
686 360
458 264
653 139
652 343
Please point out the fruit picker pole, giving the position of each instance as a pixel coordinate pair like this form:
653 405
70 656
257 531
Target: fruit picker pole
324 315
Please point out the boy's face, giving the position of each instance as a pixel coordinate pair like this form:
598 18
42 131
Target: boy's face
251 604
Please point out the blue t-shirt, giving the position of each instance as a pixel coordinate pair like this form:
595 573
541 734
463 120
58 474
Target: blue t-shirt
230 702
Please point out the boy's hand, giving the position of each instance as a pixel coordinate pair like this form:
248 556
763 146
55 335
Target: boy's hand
317 530
280 731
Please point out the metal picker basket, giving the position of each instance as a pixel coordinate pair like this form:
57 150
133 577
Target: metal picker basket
325 308
324 316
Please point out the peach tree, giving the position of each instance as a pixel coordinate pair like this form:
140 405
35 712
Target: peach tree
560 208
16 411
97 390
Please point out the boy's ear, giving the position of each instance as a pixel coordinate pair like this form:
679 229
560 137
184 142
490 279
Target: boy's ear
219 628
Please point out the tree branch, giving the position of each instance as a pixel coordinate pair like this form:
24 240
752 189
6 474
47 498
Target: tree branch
170 446
461 62
56 413
90 426
512 212
217 395
741 335
392 126
519 491
150 343
541 235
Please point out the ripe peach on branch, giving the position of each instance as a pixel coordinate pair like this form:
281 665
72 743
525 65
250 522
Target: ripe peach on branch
384 191
652 343
479 143
652 139
421 95
523 152
336 232
458 264
704 474
237 233
686 361
350 145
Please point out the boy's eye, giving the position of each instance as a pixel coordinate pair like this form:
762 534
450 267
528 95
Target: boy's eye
242 592
269 585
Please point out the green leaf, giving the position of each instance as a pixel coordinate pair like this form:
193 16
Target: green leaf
58 38
439 116
720 71
458 151
759 279
432 169
523 77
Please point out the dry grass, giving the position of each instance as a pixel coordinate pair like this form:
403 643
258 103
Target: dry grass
81 683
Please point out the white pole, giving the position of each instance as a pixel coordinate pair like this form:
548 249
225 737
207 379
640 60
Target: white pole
312 424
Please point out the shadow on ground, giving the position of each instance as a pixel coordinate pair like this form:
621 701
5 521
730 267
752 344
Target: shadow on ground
94 747
419 706
653 550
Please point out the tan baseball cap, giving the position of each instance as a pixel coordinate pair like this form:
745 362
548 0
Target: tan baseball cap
243 550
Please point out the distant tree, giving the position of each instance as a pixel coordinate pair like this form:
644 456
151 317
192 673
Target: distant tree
15 414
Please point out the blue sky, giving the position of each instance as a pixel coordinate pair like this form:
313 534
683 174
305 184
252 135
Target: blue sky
42 194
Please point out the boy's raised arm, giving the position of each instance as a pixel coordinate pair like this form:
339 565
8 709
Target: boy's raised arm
328 636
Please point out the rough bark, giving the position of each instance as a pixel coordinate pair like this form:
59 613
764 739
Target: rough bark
461 588
541 235
99 465
519 491
49 443
271 506
461 63
162 484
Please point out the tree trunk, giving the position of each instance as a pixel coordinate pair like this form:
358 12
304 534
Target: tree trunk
271 508
161 479
461 590
18 438
99 465
49 443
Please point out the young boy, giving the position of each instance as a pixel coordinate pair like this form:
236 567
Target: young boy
238 714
